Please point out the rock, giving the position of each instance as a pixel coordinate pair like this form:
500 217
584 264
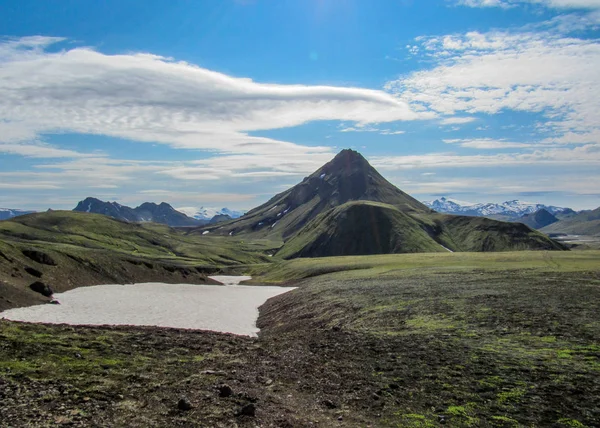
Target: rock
329 404
184 404
33 272
442 419
214 372
225 391
54 302
40 257
248 410
43 289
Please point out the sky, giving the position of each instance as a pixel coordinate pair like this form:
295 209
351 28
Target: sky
226 103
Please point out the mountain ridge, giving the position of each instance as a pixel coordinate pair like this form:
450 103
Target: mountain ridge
347 177
147 212
512 208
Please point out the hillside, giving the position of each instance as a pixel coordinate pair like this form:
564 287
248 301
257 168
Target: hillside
65 249
360 227
585 223
484 234
538 219
348 177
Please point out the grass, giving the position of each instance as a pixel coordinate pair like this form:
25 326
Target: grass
65 230
491 339
356 267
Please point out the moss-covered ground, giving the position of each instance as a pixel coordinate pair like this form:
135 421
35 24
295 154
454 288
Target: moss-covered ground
461 340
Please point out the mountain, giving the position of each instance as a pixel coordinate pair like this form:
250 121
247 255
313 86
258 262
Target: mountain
219 218
538 219
348 177
111 209
208 213
165 214
584 223
347 208
360 227
507 210
6 213
147 212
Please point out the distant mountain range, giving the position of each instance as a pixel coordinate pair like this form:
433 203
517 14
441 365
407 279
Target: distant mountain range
6 213
508 210
208 213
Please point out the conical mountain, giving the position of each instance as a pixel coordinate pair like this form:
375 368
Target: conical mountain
347 177
347 208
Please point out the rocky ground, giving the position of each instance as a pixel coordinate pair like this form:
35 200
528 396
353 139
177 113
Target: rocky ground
461 348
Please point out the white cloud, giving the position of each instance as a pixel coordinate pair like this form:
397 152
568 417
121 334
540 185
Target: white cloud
368 128
390 132
39 150
484 3
558 4
584 155
457 120
149 98
487 144
538 72
29 185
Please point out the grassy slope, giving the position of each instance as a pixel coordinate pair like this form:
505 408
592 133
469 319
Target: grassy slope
501 340
66 229
357 267
93 249
587 223
363 227
360 228
483 234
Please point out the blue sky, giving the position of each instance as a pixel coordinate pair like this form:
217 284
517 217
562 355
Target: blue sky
226 103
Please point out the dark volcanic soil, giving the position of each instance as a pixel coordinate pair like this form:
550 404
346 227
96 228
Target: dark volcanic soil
479 349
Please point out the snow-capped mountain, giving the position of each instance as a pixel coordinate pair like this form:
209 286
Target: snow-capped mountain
207 213
6 213
514 208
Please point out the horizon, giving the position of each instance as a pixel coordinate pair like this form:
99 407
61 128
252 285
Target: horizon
227 104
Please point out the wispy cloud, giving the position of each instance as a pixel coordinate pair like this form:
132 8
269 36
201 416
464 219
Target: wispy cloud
487 144
543 72
584 155
557 4
457 120
148 98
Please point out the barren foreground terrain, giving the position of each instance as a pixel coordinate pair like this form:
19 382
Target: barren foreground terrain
405 341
